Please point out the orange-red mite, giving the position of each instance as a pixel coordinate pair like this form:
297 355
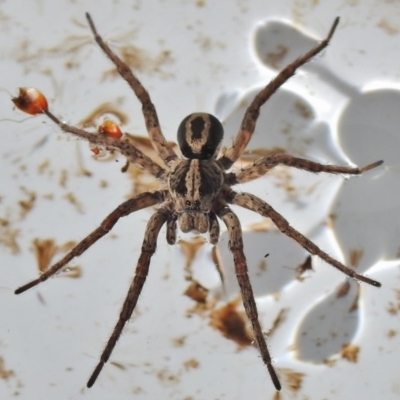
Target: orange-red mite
95 150
110 128
30 100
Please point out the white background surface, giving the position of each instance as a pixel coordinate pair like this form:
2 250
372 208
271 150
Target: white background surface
217 57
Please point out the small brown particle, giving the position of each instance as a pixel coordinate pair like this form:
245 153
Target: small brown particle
4 372
196 292
27 204
392 333
343 289
274 58
74 201
191 363
350 352
303 109
355 257
303 267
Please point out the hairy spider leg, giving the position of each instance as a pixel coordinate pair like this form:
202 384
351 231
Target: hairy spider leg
142 200
251 202
253 111
149 111
263 165
154 225
236 247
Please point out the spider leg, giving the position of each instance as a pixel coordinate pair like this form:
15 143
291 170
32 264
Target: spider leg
251 115
154 225
133 154
138 202
149 112
236 247
251 202
263 165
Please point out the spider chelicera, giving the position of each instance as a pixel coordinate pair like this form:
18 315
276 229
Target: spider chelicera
195 189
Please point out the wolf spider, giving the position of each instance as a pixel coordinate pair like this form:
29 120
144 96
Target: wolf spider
195 190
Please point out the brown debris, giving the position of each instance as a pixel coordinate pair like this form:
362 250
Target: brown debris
232 323
355 257
274 58
74 201
27 204
139 60
303 267
350 352
343 289
354 306
292 379
4 372
192 363
303 109
45 249
196 292
392 333
8 236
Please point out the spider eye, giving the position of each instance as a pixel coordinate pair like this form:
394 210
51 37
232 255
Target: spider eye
197 203
188 203
199 136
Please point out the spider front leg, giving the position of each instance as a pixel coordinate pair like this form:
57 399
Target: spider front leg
236 247
149 112
251 202
135 156
142 200
253 111
33 102
154 225
263 165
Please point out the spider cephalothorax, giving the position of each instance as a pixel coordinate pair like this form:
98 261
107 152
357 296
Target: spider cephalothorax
198 189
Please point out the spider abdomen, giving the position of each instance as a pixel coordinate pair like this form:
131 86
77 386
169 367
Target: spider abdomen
200 135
